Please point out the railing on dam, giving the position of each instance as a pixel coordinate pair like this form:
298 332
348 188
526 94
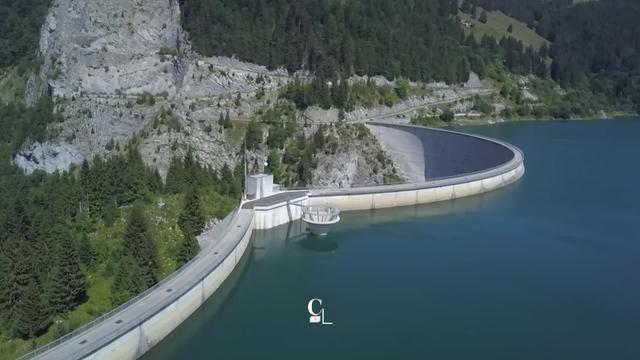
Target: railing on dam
221 229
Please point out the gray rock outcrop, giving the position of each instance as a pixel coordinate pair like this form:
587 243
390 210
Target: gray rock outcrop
100 56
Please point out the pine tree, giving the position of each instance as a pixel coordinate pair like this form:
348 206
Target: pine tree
191 218
189 248
175 177
32 315
274 166
136 181
85 250
9 291
139 244
226 180
221 120
68 283
129 280
227 121
253 136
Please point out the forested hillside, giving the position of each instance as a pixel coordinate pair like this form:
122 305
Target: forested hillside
74 245
20 22
423 40
595 44
419 40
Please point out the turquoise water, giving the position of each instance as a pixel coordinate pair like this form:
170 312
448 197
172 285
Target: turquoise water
547 268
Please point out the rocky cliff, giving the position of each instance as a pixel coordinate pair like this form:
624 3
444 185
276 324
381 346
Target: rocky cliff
123 72
113 67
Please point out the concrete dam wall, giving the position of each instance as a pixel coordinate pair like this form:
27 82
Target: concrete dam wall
442 165
428 154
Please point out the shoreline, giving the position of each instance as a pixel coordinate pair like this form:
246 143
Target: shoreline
494 121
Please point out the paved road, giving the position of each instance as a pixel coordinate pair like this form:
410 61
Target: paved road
481 92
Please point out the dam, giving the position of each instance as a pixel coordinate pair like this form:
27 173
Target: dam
544 268
442 165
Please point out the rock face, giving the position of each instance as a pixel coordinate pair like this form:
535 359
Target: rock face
100 56
100 47
353 157
42 154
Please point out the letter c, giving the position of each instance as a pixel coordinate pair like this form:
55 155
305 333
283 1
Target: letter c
310 307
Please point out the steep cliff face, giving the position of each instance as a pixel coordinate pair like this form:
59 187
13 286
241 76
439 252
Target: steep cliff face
352 156
112 67
99 47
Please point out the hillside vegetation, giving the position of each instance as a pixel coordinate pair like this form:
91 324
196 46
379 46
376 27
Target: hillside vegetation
20 23
418 40
595 45
498 24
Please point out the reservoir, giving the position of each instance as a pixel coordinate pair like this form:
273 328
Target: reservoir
548 267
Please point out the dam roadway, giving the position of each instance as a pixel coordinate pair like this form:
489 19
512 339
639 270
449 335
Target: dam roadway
443 165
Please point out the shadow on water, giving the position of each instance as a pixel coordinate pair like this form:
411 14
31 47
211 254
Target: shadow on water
319 244
171 346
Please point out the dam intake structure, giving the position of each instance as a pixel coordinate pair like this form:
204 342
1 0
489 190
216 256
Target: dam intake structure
320 218
442 165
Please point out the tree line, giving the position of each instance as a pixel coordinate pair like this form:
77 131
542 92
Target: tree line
417 40
20 23
594 45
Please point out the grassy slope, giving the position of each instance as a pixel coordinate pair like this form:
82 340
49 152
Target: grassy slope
497 25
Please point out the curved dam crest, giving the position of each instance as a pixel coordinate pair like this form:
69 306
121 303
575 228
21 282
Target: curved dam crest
429 154
441 164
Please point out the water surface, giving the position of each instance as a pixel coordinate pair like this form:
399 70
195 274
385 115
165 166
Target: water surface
546 268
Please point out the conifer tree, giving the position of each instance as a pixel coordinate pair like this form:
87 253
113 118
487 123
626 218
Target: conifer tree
129 280
191 218
85 250
227 121
175 177
274 165
9 291
139 244
189 248
68 283
135 177
32 313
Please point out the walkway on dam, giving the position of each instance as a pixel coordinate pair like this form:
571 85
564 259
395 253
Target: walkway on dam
275 199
